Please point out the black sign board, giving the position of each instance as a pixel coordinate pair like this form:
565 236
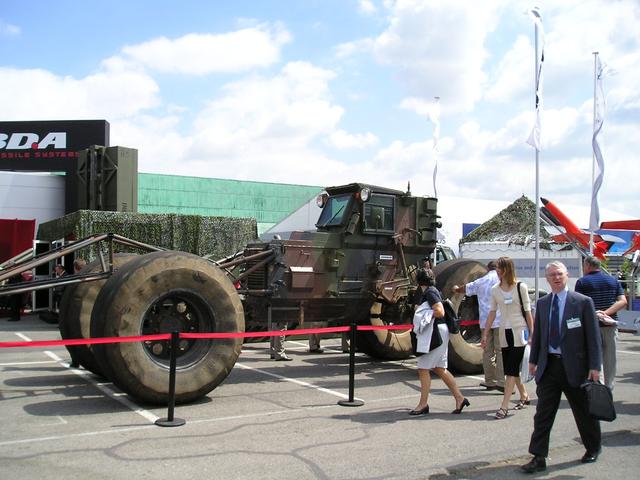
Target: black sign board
50 146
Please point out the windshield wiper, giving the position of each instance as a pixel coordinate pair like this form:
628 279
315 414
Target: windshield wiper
334 216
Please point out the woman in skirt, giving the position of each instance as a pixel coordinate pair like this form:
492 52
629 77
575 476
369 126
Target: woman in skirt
515 330
435 360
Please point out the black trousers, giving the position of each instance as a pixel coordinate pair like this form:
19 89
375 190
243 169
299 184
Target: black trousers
551 387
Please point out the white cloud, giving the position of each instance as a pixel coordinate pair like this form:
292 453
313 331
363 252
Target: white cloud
294 105
580 27
161 148
199 54
38 94
509 80
349 49
574 29
438 48
418 106
561 124
343 140
9 30
260 127
367 7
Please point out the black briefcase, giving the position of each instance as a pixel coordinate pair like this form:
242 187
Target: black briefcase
599 401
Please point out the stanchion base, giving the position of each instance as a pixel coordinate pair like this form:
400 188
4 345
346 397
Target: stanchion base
165 422
352 403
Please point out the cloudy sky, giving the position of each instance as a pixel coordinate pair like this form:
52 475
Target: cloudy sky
324 92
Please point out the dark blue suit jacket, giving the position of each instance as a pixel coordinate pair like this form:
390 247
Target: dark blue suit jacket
581 346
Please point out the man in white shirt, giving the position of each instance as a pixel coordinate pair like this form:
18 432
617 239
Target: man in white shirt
492 355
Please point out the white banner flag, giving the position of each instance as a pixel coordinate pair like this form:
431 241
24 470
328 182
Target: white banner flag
598 119
535 136
434 116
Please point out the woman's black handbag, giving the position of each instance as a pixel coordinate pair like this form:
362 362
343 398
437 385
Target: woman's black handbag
436 341
599 401
436 338
450 317
414 345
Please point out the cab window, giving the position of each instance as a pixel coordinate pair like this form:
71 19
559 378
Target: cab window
334 211
378 214
444 253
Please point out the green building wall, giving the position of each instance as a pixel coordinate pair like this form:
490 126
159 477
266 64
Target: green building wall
268 203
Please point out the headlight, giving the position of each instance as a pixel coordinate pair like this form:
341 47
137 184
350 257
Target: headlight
321 199
365 193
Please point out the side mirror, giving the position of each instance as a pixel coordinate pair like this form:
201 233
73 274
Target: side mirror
353 224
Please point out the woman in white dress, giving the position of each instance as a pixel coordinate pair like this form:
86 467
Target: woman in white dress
436 359
515 329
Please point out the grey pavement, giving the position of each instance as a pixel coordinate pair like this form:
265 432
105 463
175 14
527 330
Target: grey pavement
281 420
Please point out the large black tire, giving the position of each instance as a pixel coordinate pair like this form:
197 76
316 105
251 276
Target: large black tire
75 311
387 344
465 353
162 292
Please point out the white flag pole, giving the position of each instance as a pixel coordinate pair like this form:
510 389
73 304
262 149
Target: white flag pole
599 109
593 153
536 134
537 257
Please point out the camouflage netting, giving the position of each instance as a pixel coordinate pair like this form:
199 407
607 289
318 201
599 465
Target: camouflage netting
515 224
214 236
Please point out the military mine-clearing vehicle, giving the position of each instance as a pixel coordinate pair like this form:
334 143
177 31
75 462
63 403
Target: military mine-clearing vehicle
357 267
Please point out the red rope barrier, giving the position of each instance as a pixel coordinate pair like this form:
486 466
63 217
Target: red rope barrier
167 336
273 333
85 341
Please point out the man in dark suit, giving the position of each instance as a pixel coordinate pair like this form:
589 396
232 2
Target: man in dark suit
566 350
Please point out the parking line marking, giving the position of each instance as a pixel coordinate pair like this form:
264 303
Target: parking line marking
60 421
107 391
117 396
297 382
117 431
13 364
73 435
627 351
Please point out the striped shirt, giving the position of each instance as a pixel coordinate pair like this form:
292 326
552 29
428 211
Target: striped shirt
603 289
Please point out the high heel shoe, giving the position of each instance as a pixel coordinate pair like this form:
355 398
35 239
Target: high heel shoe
422 411
465 403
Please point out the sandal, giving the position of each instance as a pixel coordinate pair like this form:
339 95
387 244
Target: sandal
502 413
522 403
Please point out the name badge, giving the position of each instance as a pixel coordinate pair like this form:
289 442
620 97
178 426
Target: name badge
574 323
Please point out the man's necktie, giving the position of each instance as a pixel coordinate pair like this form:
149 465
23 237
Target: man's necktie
554 327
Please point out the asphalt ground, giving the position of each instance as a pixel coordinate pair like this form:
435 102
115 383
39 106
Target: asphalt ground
281 420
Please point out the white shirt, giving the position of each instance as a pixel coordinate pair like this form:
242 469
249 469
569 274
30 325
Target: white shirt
482 288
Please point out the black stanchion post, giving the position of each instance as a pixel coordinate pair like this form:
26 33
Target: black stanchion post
170 421
352 368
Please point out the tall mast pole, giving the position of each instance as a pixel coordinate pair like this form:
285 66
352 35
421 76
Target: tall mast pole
537 255
593 153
